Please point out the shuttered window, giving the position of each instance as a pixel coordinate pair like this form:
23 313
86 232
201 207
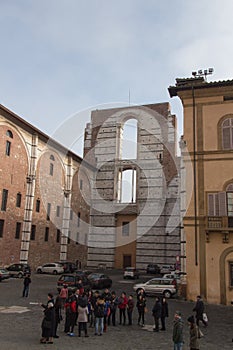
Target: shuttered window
217 204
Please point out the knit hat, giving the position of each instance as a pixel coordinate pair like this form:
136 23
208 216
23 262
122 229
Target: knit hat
191 319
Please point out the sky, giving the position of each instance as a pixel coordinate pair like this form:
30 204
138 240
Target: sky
62 58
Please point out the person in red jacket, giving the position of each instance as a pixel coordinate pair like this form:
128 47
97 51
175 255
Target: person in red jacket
123 301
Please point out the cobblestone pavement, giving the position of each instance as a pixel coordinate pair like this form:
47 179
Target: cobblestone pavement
20 320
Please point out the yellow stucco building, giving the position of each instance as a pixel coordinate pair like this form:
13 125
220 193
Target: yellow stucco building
208 222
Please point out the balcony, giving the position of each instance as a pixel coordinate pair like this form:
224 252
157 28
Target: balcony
219 223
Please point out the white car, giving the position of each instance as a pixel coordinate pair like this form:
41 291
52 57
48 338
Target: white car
158 286
53 268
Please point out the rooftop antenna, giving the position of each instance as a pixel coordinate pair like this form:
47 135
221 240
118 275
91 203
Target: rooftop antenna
203 73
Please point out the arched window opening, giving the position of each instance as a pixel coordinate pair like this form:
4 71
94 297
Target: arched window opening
52 158
9 134
229 192
129 138
227 133
127 186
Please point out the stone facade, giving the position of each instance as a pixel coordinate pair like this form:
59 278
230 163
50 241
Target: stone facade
146 229
208 225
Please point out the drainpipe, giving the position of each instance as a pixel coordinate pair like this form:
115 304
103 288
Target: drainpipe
194 177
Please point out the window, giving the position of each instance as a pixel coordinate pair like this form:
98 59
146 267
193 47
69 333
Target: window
51 169
221 204
9 134
33 233
46 236
128 144
58 236
81 184
58 210
77 238
1 228
37 205
227 133
48 211
17 230
18 200
125 228
127 186
8 148
4 199
51 166
71 214
68 238
78 223
231 273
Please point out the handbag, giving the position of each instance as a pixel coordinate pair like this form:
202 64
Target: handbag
205 318
46 323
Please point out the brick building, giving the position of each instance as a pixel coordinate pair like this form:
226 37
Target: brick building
135 215
43 215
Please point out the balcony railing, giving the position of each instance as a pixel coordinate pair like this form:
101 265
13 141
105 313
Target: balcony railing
220 222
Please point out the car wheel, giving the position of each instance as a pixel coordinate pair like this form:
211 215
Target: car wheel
55 272
20 275
167 294
39 271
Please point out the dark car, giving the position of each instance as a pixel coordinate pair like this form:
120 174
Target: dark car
99 281
153 268
4 274
68 266
18 270
72 282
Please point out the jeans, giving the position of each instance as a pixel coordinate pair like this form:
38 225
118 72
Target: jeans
99 321
25 291
178 346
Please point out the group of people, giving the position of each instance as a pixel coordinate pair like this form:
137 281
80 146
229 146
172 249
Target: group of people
81 308
97 310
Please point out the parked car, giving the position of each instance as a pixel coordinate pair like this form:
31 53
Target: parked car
18 270
153 268
172 275
157 286
68 267
131 272
99 281
71 281
167 268
83 272
4 274
53 268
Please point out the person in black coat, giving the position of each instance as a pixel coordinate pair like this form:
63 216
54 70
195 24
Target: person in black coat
164 313
199 308
58 316
26 284
48 323
157 312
